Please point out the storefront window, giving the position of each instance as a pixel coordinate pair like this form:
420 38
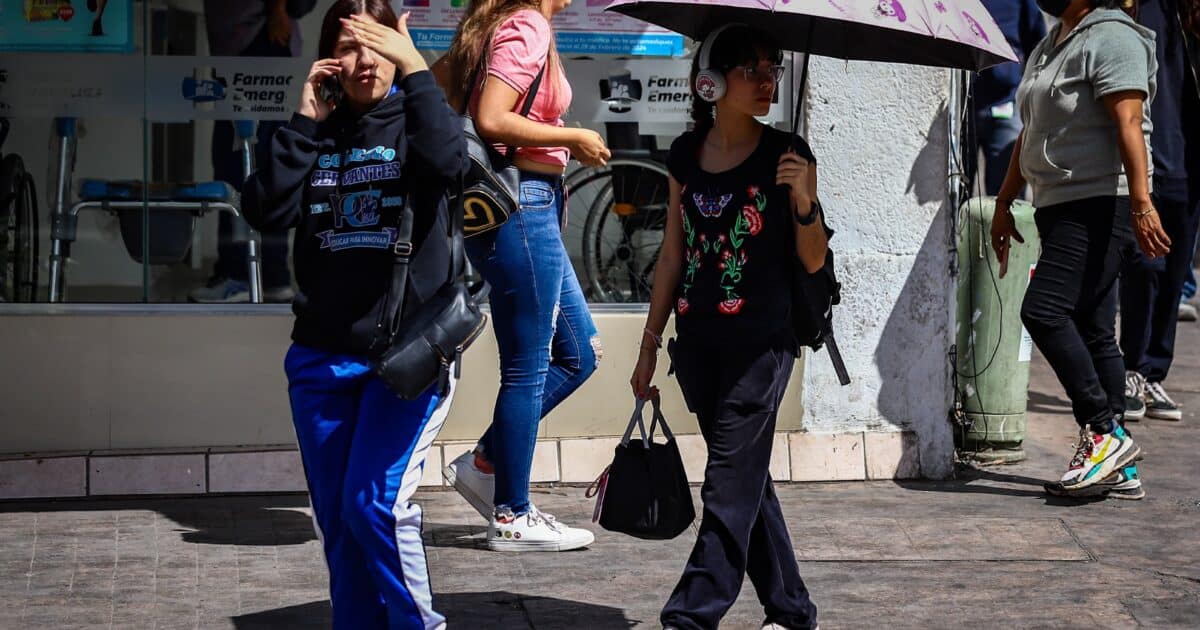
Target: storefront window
135 123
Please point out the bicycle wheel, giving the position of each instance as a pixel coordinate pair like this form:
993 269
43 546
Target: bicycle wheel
622 232
19 244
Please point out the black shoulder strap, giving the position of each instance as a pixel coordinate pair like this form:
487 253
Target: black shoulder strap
393 309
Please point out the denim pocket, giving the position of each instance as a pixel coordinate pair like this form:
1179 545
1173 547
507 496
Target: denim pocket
536 195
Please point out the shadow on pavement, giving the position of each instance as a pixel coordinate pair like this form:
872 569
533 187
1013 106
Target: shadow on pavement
266 520
969 479
491 609
454 536
1045 403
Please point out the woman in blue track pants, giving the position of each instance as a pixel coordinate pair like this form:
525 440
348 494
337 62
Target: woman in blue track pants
340 173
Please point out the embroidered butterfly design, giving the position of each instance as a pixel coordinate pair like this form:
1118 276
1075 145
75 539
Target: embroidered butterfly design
710 206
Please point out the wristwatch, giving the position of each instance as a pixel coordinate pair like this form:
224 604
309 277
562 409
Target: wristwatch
815 209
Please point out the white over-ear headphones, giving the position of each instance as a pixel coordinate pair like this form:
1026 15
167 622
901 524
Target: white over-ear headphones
710 84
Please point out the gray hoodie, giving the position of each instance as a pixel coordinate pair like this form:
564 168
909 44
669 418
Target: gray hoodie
1070 149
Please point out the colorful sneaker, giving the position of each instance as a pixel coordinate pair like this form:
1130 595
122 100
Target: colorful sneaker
221 291
1135 390
1097 456
478 486
1128 486
535 531
1159 404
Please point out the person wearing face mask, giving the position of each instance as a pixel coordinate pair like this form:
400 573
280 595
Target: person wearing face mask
340 172
745 218
1084 151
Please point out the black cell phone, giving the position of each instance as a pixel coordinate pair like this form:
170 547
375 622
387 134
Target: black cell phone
331 90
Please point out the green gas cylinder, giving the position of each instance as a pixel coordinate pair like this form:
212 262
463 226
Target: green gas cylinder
993 347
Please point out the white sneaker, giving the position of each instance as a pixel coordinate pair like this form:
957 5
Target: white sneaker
476 486
1187 312
1135 392
1159 404
279 294
535 531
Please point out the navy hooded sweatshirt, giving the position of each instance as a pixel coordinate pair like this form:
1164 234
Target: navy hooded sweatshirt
342 184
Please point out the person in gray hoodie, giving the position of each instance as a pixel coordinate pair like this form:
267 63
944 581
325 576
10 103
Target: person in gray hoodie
1084 151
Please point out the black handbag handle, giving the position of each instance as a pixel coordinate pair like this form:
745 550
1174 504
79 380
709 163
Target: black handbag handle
637 420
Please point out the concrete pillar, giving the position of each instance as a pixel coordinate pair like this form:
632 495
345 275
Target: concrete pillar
878 131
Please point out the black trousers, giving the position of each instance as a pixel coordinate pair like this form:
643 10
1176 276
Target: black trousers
1150 292
1070 308
735 393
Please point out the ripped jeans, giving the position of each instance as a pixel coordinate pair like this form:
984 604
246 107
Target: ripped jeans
548 342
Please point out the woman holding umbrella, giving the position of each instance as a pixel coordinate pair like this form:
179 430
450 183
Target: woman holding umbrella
1084 99
746 196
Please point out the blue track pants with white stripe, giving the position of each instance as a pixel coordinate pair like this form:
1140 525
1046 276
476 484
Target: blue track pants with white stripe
363 450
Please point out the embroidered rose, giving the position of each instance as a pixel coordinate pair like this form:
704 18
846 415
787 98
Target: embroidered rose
682 306
731 306
752 191
754 221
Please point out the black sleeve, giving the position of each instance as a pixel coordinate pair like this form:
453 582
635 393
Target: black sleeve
271 197
434 133
803 150
681 158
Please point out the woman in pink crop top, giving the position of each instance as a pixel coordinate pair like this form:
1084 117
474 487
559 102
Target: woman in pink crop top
547 340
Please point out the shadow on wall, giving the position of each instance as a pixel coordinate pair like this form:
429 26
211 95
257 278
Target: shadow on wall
912 352
492 609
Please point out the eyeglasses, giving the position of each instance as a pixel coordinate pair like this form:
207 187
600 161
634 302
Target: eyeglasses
772 73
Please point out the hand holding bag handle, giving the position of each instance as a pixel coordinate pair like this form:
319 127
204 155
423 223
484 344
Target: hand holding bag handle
637 419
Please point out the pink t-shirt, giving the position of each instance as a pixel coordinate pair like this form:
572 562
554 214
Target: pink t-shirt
520 48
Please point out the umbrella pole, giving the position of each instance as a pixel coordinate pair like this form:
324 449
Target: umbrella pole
803 79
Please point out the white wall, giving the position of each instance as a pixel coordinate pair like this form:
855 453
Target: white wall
878 132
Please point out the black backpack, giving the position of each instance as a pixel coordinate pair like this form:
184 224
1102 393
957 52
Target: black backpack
813 297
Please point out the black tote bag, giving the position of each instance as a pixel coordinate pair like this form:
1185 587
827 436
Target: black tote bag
644 492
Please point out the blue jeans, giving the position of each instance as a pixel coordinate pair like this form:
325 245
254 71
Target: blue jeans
548 344
363 450
1152 289
1189 279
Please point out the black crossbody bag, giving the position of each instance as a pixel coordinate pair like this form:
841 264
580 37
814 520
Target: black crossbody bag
421 348
492 186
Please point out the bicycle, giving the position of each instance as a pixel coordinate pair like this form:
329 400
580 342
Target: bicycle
18 227
623 229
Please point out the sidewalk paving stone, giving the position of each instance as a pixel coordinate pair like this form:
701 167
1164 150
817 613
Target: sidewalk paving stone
987 548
